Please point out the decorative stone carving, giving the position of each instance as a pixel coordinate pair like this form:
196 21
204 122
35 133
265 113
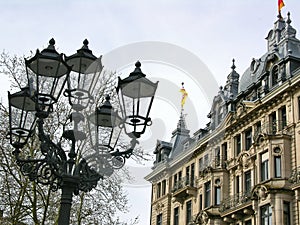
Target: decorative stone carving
205 172
201 218
244 160
159 207
258 138
261 192
277 150
241 109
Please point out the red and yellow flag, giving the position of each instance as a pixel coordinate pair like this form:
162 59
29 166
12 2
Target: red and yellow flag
280 5
184 95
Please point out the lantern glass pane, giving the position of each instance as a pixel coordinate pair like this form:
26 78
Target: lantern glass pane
136 113
93 72
22 125
80 64
81 85
107 139
22 102
22 117
103 141
49 89
139 88
104 131
48 67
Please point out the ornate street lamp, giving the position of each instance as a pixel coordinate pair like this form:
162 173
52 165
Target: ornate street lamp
55 165
136 94
86 69
46 72
21 117
105 126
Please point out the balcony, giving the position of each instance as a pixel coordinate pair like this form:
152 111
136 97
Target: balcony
183 188
277 127
235 202
216 163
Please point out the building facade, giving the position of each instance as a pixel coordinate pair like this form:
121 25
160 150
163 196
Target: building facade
242 168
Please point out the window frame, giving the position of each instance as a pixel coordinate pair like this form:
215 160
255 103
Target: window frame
248 139
248 222
201 164
273 122
283 117
164 187
247 181
207 194
238 144
217 195
159 219
188 212
264 166
200 201
286 213
298 98
237 184
158 190
274 75
176 216
266 213
224 148
277 166
217 152
192 179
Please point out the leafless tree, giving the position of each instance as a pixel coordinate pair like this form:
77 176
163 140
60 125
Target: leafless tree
26 202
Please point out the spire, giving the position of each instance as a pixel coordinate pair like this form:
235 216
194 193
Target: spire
289 30
181 133
181 123
179 136
232 83
288 19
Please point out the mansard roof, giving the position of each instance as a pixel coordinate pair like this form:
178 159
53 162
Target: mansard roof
179 136
283 49
281 43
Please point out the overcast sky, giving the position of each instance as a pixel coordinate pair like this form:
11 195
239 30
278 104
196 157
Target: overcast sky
214 30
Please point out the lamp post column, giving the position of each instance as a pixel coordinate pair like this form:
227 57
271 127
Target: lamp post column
69 184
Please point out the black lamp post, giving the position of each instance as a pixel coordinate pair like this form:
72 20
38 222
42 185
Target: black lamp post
64 169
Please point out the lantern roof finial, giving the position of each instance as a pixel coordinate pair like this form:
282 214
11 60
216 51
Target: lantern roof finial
86 42
52 41
138 64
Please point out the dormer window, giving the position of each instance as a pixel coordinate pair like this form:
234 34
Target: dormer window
271 39
186 145
254 65
274 75
159 157
220 114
